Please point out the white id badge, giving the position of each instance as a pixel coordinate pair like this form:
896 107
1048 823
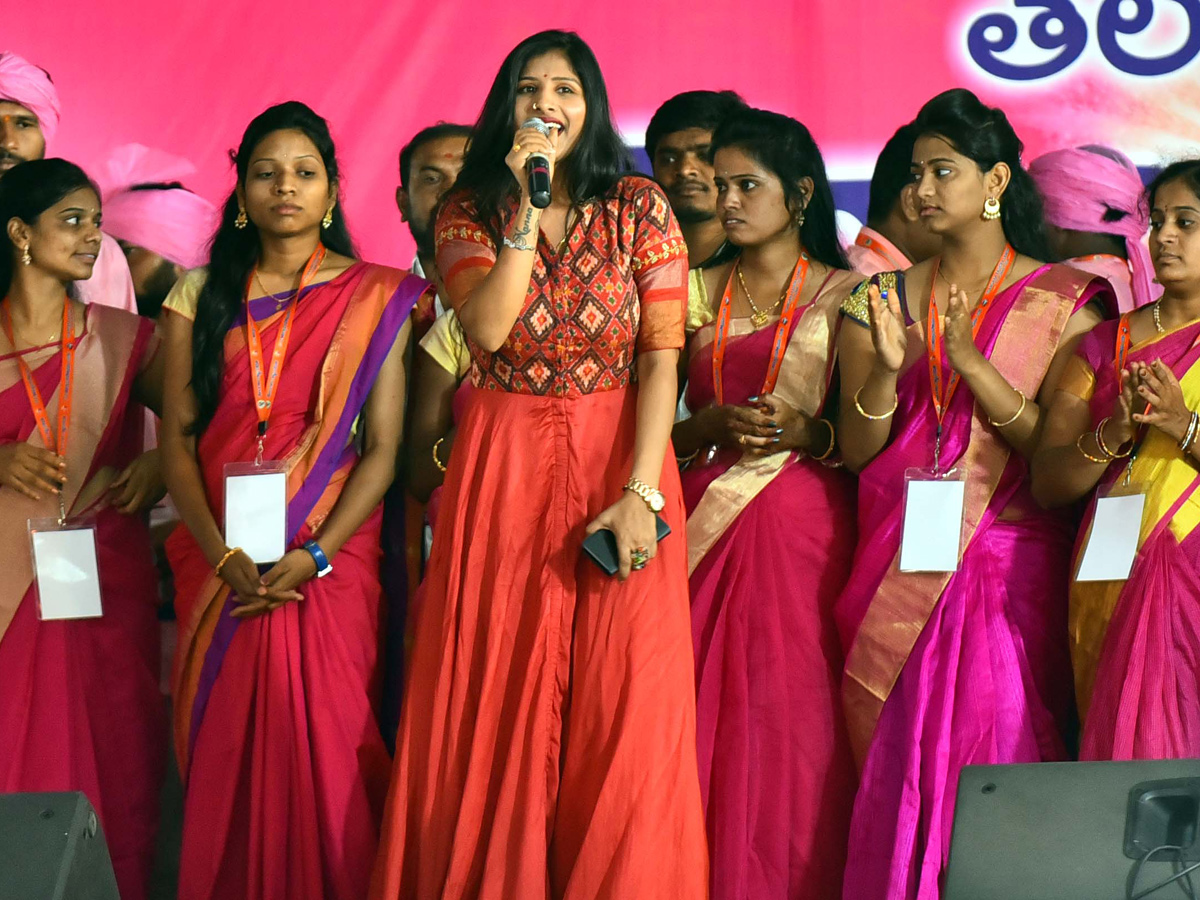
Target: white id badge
1112 543
256 509
931 540
65 568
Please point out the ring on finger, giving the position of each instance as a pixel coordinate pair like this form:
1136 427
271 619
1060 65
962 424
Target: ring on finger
638 557
742 439
516 148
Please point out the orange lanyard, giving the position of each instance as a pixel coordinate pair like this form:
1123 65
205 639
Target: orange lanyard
876 247
721 340
943 386
54 438
1124 342
266 382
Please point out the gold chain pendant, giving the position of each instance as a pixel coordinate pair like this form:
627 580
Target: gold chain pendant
760 317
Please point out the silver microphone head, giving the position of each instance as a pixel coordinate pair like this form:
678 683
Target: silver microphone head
537 125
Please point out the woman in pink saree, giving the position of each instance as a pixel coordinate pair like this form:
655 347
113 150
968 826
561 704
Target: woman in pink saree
770 523
277 676
1123 421
80 709
946 669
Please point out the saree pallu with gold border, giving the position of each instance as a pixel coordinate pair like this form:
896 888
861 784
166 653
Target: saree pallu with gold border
770 544
276 726
946 670
1135 644
81 708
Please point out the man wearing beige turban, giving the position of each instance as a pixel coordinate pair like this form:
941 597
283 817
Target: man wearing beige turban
29 116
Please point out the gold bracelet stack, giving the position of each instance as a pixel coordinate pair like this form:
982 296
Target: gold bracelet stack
1099 434
866 415
832 440
437 462
1086 455
1015 416
224 559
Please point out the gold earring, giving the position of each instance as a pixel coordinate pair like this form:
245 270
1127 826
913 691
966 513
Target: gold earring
991 209
241 220
26 259
328 220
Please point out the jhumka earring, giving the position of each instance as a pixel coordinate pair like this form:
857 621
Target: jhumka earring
991 209
241 220
328 220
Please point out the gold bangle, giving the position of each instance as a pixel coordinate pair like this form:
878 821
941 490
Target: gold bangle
866 415
684 461
437 462
832 441
1099 434
1086 455
225 559
1015 416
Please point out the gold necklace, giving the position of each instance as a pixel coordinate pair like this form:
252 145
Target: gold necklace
759 317
1158 316
566 231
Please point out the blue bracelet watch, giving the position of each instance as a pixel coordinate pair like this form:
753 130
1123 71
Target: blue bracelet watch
324 566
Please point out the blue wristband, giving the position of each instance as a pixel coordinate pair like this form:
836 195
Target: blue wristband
319 557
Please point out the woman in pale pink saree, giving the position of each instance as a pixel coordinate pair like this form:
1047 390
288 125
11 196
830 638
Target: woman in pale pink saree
970 667
81 708
1123 422
770 524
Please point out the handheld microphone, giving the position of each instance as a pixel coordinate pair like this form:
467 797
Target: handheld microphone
537 168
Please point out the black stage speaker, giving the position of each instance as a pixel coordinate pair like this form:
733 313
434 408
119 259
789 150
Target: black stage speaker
1077 831
52 848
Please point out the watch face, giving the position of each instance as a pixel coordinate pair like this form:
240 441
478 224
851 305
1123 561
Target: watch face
657 502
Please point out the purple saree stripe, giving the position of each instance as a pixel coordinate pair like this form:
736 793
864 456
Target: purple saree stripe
332 456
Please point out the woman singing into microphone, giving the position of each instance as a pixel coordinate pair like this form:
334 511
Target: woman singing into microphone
547 744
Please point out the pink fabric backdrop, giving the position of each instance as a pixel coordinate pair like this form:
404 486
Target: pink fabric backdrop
187 77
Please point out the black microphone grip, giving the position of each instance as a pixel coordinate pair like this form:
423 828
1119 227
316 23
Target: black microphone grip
537 172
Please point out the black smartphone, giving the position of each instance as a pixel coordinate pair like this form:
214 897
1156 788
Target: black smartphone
601 546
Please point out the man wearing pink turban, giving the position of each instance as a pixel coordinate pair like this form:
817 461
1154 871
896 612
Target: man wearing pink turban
1096 217
164 230
29 116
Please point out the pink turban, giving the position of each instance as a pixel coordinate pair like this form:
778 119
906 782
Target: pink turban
173 223
24 83
1080 185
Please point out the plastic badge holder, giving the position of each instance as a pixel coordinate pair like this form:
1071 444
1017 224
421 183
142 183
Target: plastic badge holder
931 539
66 569
256 509
1112 541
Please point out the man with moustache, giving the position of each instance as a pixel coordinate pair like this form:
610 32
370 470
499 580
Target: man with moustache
29 117
677 141
429 165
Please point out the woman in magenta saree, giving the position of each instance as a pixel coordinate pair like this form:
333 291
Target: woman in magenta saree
1120 422
770 527
81 708
277 678
949 669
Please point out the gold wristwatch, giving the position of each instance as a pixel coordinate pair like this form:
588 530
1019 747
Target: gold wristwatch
653 497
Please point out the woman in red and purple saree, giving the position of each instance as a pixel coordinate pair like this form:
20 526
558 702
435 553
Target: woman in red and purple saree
277 678
953 668
1120 424
81 708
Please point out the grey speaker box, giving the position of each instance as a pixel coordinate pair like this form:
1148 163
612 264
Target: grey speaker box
52 848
